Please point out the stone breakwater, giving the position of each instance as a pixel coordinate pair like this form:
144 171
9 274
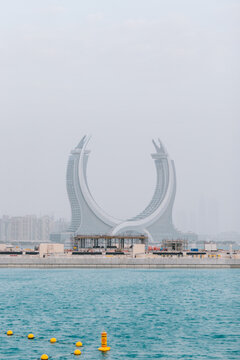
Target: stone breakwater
116 262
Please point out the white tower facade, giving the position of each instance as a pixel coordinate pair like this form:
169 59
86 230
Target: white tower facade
88 218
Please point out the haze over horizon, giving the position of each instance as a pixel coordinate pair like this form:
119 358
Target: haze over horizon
126 72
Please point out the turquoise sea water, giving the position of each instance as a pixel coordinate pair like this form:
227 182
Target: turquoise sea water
148 314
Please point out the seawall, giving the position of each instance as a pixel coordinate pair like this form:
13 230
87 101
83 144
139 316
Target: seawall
116 262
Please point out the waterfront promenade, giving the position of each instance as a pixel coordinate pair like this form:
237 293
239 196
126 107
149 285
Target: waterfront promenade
116 262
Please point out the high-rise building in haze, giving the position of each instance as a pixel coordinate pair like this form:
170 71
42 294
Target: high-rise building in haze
29 227
155 221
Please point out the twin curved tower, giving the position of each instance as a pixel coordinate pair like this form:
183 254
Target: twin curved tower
88 218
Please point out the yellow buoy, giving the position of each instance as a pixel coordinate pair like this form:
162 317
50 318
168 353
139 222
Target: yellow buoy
30 336
44 357
53 340
9 332
77 352
78 344
104 346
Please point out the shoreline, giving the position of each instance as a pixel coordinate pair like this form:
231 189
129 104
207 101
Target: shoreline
108 263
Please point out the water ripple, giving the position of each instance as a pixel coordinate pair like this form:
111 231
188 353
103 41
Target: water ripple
148 314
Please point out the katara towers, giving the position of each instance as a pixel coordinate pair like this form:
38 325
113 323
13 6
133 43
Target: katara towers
88 218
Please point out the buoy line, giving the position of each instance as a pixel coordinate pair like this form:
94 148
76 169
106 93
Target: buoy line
52 340
104 348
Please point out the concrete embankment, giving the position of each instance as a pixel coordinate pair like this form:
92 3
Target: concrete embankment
116 262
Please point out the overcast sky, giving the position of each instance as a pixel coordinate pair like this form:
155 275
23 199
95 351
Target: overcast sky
124 71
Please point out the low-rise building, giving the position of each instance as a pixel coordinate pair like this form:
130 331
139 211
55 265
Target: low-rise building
138 249
210 246
50 249
174 245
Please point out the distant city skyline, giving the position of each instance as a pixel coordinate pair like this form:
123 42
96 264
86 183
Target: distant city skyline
58 225
203 219
29 227
200 222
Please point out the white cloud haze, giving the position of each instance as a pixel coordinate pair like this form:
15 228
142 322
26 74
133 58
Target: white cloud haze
124 71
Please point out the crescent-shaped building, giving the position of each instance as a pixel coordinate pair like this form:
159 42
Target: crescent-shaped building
88 218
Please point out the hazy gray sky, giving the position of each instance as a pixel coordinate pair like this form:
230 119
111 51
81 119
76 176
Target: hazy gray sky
125 71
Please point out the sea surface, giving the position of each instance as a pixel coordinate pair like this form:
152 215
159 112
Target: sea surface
148 314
